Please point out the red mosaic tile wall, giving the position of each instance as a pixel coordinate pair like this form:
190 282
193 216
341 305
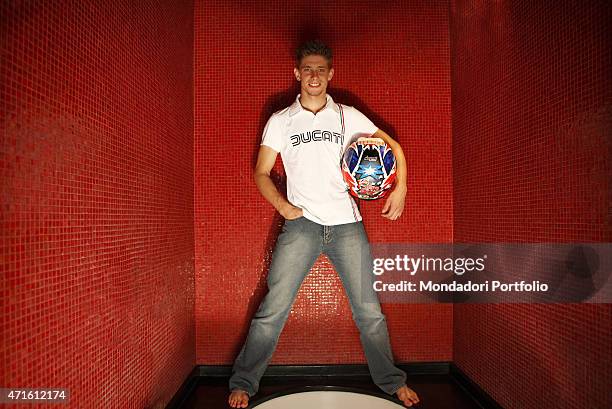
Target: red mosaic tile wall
97 291
392 62
532 116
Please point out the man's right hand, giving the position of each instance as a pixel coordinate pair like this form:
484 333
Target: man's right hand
290 212
265 162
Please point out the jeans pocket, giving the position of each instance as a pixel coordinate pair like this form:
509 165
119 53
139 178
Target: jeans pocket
293 220
293 225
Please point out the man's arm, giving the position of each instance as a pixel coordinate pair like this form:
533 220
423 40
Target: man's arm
394 206
265 163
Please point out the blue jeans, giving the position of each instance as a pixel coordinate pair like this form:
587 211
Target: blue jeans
298 246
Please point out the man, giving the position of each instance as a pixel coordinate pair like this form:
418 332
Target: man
320 216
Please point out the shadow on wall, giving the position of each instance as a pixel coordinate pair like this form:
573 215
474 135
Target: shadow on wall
274 103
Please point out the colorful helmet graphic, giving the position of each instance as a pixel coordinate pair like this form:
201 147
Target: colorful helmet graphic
368 167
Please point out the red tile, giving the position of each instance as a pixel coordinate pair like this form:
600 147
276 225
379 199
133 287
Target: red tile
532 104
392 62
97 199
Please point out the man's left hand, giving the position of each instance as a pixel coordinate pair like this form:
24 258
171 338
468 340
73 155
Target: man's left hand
394 206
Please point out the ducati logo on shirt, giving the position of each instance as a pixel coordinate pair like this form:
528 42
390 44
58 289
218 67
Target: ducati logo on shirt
317 136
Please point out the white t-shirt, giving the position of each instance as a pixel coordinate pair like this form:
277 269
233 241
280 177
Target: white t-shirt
311 146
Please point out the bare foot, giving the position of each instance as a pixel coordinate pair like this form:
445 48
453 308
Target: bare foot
407 395
238 399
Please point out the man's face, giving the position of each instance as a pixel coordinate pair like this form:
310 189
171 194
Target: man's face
314 74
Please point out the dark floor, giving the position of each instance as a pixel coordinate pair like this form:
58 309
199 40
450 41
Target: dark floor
435 391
